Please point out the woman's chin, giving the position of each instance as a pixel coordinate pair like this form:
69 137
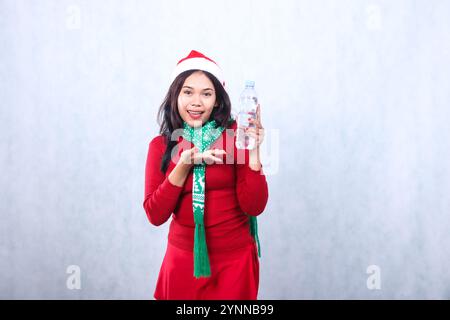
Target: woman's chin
195 123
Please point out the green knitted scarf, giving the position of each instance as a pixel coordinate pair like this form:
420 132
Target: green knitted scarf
203 138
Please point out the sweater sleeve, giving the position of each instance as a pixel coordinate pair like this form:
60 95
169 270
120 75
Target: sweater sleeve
160 195
251 188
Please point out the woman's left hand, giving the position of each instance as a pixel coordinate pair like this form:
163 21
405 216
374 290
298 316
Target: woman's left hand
257 131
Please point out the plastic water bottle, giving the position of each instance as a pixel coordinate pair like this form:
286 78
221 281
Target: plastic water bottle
247 109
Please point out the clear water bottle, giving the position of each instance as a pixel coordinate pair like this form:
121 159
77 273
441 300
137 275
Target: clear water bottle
247 109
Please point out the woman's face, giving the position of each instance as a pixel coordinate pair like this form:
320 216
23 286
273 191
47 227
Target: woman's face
197 99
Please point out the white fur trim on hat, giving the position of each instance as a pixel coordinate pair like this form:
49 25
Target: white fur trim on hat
197 61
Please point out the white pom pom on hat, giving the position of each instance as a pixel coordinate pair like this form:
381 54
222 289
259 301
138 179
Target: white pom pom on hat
198 61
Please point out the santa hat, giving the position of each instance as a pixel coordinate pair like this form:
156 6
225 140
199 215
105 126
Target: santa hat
198 61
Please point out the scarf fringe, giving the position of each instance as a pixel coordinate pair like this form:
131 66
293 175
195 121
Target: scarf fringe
254 232
201 258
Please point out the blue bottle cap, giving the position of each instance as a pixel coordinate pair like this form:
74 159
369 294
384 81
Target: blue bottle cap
249 83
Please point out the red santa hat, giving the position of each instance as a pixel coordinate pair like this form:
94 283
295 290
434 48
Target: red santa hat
198 61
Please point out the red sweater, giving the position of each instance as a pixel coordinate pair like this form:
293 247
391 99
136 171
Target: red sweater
232 191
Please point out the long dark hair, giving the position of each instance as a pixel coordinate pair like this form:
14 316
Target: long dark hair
169 118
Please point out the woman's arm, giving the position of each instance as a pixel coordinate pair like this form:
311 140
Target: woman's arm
254 160
251 187
161 193
179 174
252 190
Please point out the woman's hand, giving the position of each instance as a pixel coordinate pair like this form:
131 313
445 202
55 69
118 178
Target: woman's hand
257 132
190 157
193 156
213 156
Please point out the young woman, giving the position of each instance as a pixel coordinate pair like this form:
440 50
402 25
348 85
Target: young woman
212 191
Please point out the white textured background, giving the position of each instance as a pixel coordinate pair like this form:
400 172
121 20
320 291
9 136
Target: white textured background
358 91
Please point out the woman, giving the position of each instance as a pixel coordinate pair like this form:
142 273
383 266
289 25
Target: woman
213 191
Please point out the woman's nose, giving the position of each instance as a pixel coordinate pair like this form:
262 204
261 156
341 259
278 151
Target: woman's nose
195 100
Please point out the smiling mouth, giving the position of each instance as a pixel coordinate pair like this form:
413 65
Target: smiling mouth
195 113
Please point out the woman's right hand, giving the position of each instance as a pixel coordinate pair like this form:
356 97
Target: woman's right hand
193 156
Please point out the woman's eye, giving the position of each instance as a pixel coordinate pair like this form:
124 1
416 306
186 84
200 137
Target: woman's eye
187 92
207 94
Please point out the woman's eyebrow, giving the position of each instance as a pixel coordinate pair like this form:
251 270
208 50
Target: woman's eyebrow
202 90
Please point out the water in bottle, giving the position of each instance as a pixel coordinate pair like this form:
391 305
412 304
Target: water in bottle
247 109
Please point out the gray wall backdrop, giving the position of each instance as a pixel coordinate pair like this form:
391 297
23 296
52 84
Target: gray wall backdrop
355 99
